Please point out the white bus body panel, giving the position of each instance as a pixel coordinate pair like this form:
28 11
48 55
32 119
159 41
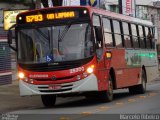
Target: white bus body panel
87 84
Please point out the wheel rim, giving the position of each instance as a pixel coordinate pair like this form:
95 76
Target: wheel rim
110 89
143 80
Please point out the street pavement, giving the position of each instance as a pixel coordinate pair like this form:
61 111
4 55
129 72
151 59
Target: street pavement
76 107
10 99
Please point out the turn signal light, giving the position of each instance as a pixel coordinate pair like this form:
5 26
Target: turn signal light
21 75
108 55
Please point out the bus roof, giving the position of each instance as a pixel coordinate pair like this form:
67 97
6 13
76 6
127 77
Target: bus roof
102 12
120 16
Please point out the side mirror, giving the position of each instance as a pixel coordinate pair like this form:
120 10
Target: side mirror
11 38
99 53
98 32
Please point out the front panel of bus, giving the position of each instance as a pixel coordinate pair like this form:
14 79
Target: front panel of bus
56 51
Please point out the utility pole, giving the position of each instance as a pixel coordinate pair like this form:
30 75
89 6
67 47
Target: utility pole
120 6
54 2
57 2
32 4
44 2
38 4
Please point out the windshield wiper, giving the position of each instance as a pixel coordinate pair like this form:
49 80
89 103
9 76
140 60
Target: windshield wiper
60 37
43 34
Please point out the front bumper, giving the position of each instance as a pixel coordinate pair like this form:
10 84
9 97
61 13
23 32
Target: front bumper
85 85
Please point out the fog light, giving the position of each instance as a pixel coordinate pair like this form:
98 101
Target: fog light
85 74
78 77
31 81
21 75
26 79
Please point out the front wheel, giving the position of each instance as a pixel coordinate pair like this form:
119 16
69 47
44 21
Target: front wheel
48 100
107 96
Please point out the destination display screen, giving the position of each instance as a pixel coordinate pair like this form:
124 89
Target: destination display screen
50 15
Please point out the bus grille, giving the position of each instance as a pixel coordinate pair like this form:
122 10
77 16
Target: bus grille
55 90
63 88
61 78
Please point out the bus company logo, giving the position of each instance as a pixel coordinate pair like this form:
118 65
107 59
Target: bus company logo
92 2
54 78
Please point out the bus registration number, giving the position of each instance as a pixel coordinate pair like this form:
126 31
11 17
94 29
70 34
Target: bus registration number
75 70
54 87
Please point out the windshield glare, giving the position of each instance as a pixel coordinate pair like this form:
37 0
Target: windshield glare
55 43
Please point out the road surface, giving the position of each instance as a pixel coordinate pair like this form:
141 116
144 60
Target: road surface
81 108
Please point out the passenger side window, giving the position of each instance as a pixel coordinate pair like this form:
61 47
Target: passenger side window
117 34
96 20
148 37
126 35
107 32
98 31
153 36
134 36
141 36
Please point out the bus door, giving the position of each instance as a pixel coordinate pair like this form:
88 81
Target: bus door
101 72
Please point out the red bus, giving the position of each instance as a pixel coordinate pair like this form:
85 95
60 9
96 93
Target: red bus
82 51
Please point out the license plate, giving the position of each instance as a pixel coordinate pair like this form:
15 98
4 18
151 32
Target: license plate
54 87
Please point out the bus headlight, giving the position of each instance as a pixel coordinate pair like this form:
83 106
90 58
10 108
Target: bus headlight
90 69
21 75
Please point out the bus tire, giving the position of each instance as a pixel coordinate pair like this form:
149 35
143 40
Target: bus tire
140 89
107 96
48 100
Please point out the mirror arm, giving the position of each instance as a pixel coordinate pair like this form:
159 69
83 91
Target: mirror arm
12 48
8 35
13 26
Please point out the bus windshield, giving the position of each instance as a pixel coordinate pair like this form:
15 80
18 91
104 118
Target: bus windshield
55 43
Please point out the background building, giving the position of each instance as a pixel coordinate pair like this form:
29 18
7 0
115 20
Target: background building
144 9
8 67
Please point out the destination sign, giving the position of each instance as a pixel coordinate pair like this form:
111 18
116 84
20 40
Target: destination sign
50 15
